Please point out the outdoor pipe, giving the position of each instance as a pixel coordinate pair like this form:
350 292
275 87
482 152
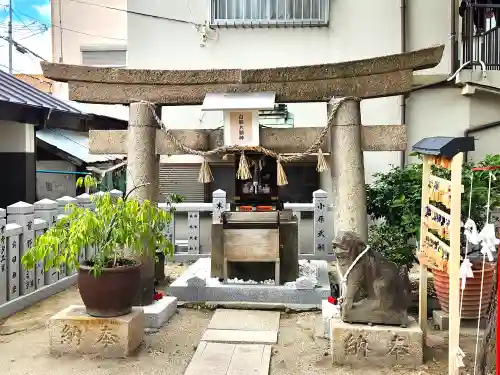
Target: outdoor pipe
402 108
62 172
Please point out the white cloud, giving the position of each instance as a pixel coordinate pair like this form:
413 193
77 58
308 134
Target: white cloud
44 10
41 44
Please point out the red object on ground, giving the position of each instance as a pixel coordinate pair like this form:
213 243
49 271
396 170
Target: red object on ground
332 300
157 296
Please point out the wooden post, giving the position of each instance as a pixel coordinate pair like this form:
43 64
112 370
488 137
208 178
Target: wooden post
422 290
454 263
429 253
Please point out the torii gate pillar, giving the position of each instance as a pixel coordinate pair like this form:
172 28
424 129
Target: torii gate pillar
347 170
143 167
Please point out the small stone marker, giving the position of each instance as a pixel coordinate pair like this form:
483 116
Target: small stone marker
73 331
304 283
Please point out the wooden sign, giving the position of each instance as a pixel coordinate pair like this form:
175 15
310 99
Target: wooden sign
241 128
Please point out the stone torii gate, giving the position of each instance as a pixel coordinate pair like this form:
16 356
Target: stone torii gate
143 142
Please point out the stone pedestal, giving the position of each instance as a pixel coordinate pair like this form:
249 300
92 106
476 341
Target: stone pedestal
361 345
72 331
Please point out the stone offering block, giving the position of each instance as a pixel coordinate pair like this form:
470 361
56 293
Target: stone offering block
73 331
363 345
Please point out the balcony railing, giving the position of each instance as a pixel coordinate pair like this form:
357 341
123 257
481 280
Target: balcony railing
481 35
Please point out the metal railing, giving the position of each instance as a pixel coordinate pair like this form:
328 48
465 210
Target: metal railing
269 13
481 35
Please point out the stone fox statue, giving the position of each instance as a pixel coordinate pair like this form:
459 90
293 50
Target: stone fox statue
377 291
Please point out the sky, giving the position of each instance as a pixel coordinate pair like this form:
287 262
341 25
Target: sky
31 28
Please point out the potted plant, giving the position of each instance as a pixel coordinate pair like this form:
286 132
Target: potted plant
120 231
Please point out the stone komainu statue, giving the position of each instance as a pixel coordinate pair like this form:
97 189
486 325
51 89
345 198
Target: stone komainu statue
377 291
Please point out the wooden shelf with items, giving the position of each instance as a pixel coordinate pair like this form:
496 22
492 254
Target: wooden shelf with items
439 243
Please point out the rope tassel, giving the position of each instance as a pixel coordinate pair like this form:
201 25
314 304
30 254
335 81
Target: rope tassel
243 172
322 165
282 180
205 175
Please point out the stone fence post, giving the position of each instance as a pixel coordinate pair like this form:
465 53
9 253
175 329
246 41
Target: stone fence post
48 210
13 233
116 193
3 258
63 202
219 205
23 214
320 202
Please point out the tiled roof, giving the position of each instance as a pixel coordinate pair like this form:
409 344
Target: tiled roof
37 80
14 90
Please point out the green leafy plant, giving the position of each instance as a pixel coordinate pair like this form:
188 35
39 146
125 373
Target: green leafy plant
392 243
88 182
395 197
118 229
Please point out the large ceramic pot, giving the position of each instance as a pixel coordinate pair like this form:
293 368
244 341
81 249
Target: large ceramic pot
111 293
471 297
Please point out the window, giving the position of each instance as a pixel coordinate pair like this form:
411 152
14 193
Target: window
265 13
105 56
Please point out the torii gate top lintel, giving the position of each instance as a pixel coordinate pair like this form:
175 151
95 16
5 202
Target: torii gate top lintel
367 78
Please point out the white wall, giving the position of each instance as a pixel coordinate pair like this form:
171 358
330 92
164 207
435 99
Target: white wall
95 27
17 137
54 186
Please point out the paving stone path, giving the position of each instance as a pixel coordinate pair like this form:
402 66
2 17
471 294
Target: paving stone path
236 342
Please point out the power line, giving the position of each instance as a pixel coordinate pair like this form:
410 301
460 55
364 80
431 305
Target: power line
22 49
28 27
137 13
71 30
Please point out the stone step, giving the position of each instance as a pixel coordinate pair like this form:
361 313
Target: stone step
245 320
230 359
240 337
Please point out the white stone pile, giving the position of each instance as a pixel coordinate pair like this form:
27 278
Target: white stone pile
308 278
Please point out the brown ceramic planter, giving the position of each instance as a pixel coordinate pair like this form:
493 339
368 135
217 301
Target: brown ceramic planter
110 294
472 291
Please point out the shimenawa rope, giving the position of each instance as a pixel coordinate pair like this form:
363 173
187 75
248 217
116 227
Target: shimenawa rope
243 172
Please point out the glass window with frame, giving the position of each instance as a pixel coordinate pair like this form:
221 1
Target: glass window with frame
269 12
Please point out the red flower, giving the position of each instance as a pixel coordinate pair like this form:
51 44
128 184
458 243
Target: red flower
157 296
332 300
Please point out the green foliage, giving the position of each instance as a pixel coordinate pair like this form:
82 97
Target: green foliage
392 243
88 182
118 229
395 197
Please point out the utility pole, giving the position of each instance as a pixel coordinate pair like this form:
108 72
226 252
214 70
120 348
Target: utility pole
11 42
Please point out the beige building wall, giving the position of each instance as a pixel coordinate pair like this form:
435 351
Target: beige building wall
96 30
